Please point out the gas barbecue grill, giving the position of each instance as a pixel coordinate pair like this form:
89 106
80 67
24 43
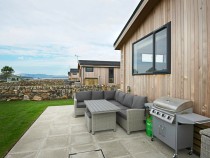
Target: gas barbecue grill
173 122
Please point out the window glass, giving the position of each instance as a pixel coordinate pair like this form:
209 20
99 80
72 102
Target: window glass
161 50
151 54
143 56
89 69
111 75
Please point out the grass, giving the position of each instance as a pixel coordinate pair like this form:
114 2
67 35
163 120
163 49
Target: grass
17 116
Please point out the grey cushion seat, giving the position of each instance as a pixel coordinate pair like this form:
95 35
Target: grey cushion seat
128 100
118 104
138 102
81 96
109 95
120 97
122 113
81 105
96 95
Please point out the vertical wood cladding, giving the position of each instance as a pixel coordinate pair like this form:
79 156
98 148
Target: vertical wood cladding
190 54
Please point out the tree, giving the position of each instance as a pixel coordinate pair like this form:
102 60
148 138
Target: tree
7 71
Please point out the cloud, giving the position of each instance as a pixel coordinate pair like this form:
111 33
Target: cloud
49 33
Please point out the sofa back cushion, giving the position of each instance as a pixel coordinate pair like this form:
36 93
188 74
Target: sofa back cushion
116 95
109 95
128 100
120 97
84 95
96 95
138 102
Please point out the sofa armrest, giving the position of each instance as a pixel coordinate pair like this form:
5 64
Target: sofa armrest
75 102
135 115
135 120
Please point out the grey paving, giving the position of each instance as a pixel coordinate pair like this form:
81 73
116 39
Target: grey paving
56 134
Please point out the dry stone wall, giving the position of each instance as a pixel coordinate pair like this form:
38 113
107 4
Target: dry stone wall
45 90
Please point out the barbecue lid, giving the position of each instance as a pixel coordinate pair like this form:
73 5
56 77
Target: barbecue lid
172 104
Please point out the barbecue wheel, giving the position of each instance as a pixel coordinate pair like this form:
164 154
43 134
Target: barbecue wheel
175 156
152 139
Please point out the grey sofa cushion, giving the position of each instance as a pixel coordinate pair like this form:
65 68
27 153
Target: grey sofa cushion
116 95
138 102
128 100
81 105
120 97
123 114
109 95
85 95
96 95
118 104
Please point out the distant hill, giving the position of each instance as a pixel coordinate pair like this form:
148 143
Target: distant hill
43 76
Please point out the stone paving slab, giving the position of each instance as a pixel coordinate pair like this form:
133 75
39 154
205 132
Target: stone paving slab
56 134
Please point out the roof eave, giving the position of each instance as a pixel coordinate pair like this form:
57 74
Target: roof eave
100 65
142 10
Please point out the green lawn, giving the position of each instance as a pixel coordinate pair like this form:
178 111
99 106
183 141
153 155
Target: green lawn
17 116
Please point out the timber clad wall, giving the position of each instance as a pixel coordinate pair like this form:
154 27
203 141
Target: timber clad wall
103 72
73 77
190 54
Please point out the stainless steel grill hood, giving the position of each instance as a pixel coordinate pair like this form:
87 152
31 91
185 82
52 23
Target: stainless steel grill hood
173 105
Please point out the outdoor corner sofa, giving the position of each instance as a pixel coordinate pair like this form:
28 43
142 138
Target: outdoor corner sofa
131 114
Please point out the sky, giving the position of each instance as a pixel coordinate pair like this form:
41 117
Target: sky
43 36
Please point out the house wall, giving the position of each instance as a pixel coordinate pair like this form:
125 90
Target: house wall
103 72
190 54
74 77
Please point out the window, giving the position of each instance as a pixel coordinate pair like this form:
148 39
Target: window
89 69
111 75
151 54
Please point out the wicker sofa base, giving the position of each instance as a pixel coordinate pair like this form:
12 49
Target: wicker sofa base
79 111
124 124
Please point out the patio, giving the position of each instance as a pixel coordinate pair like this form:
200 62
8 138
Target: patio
57 134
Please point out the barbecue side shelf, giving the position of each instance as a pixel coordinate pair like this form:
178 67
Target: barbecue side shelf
192 118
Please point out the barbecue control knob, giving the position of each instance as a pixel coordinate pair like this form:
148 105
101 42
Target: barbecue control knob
163 115
158 113
168 117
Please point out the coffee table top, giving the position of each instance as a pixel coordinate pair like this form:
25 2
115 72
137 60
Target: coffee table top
100 106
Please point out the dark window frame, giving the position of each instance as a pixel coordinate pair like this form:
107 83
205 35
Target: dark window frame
111 78
86 69
153 33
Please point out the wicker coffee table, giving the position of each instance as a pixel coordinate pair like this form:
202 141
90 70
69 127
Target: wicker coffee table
103 115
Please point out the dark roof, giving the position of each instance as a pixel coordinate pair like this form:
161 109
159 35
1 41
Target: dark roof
74 70
99 63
